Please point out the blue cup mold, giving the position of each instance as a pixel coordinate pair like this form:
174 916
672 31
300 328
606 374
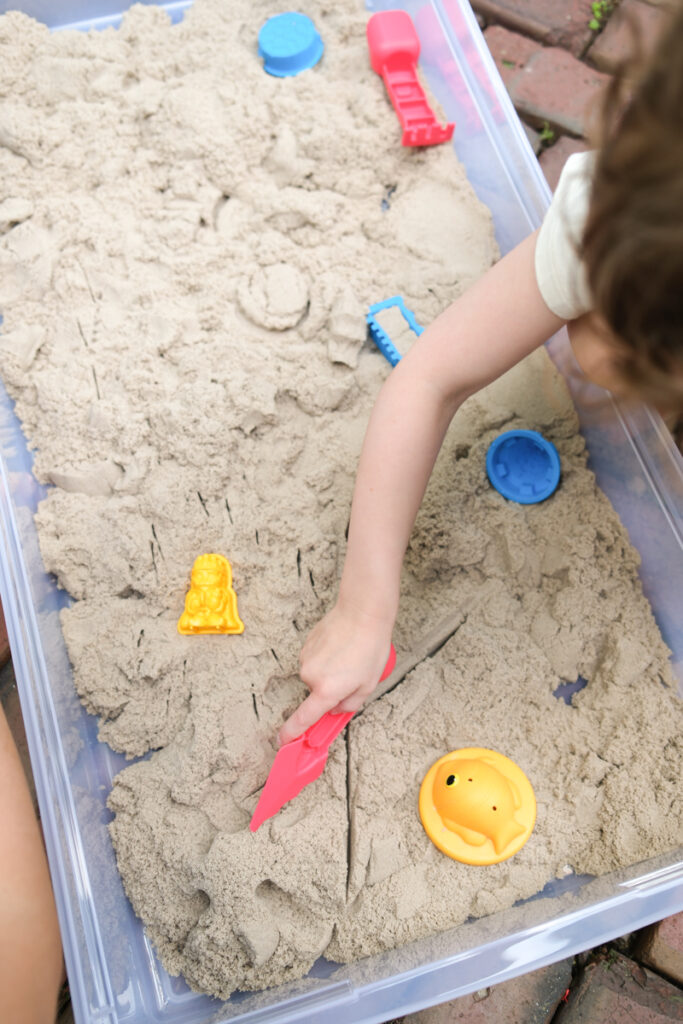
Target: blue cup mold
523 466
289 43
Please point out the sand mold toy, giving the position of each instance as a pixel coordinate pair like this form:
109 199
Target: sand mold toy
380 336
477 806
523 466
289 43
302 760
210 603
394 48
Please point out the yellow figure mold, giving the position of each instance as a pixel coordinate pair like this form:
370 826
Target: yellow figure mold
477 806
210 603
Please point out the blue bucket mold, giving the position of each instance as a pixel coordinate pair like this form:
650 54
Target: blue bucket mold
523 466
289 43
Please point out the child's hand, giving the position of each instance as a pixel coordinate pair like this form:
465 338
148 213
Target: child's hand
341 664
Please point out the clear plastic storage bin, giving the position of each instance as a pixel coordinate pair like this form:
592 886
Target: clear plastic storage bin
114 975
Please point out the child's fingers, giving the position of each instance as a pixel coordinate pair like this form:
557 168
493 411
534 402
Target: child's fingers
308 712
354 702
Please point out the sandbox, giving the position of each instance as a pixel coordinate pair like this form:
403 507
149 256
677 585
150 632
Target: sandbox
185 292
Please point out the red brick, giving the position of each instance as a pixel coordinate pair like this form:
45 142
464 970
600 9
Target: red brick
553 159
509 50
662 948
556 88
616 41
531 999
553 22
633 24
4 642
615 990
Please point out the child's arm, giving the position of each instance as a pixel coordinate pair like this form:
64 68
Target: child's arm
497 322
30 946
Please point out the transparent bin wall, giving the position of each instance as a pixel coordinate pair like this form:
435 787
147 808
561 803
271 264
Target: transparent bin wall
113 972
85 14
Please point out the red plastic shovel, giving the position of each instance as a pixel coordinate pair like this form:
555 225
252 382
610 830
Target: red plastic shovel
302 760
394 48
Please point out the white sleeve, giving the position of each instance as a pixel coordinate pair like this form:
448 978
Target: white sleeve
560 274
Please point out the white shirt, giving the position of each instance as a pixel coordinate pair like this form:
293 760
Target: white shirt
560 274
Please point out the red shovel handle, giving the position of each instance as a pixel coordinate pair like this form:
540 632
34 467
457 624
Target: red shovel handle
394 49
392 39
327 728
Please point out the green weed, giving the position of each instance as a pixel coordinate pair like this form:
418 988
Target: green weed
547 134
601 10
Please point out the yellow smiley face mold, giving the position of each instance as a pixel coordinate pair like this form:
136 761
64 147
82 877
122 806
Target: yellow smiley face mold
477 806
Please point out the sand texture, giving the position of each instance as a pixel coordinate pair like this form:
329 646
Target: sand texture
188 248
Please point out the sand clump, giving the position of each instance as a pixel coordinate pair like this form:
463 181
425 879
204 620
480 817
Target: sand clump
188 248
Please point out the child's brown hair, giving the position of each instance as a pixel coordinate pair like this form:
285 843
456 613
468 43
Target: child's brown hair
633 239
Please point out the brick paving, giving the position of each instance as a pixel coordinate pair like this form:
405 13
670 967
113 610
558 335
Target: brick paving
555 90
613 989
552 22
614 41
531 999
609 985
661 948
554 65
